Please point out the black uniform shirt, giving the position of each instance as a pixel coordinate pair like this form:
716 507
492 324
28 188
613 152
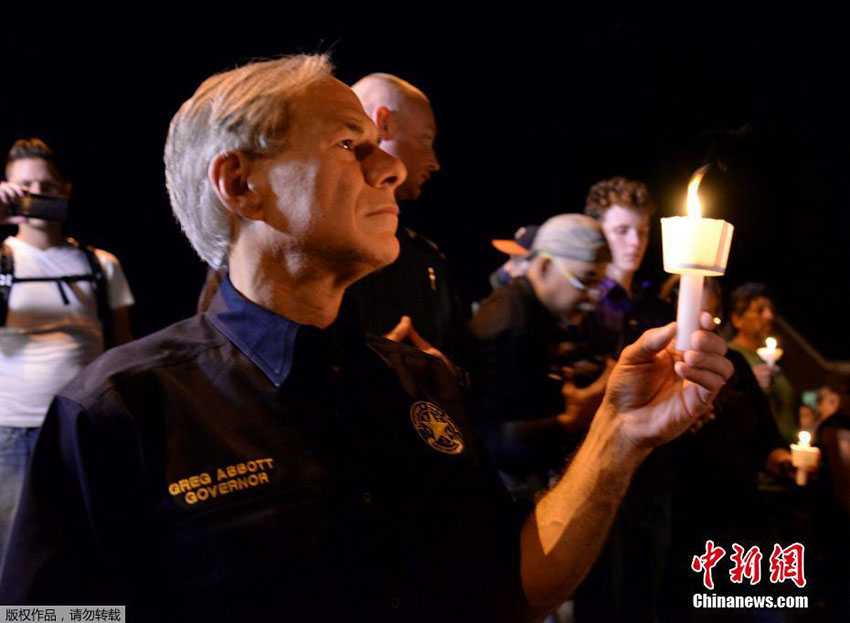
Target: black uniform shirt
418 284
237 464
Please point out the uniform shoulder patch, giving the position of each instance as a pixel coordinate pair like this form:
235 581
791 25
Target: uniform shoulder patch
436 428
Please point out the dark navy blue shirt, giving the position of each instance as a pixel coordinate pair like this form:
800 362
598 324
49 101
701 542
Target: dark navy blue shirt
620 318
517 343
239 465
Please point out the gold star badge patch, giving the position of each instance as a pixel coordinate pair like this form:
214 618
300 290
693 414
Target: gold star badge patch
436 428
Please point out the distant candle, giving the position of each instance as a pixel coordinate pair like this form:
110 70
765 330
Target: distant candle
769 353
804 457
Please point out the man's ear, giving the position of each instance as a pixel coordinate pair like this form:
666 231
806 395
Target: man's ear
538 269
228 173
386 121
544 265
66 188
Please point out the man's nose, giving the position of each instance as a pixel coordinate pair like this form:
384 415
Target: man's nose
384 170
34 187
434 164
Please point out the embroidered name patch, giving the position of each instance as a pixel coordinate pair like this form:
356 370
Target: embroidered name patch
222 481
436 428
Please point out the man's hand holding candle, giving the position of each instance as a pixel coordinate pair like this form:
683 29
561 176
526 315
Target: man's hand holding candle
660 393
805 457
654 394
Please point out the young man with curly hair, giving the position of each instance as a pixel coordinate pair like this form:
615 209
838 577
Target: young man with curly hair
624 583
623 207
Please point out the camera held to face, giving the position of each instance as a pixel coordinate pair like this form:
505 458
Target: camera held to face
44 207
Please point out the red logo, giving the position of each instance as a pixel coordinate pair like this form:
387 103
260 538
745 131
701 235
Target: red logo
787 564
746 565
706 562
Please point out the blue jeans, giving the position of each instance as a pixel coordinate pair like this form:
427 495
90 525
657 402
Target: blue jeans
16 446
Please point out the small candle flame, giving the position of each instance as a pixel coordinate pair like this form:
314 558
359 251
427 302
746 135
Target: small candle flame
770 343
717 321
694 207
805 438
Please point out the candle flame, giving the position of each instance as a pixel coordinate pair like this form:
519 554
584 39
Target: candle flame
770 343
805 437
694 207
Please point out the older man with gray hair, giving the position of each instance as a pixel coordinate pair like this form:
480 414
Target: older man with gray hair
265 459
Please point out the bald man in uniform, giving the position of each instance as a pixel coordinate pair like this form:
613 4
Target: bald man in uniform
405 120
419 283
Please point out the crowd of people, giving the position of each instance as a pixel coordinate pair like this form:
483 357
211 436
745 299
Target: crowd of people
335 435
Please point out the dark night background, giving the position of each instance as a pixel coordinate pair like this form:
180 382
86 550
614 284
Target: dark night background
532 108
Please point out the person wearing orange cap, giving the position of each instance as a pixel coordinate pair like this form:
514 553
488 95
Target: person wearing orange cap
522 414
518 249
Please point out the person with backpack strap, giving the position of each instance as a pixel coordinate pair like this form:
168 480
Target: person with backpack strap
61 305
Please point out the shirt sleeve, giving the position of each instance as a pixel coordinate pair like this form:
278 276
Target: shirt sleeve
65 546
767 435
119 290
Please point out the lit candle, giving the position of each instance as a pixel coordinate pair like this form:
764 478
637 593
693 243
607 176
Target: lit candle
769 353
694 247
804 457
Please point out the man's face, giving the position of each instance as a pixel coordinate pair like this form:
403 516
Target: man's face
828 402
330 193
807 416
566 301
413 144
627 232
37 176
757 321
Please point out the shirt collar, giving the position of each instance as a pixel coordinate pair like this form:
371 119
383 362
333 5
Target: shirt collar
612 289
266 338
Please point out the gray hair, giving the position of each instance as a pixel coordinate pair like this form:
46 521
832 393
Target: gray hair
244 109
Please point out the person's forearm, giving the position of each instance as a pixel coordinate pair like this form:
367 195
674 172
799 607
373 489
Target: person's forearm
562 537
